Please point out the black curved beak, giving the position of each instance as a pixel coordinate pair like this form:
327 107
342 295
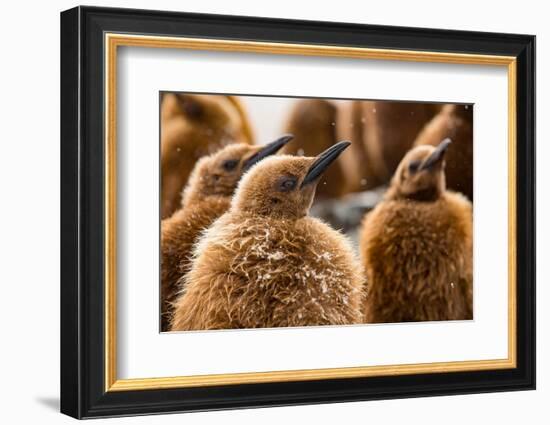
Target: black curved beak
437 155
324 159
267 150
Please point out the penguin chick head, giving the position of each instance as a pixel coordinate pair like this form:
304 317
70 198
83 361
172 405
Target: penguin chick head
197 125
219 173
283 186
215 112
420 175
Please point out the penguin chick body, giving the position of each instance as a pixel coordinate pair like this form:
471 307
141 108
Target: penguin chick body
207 196
416 246
266 263
193 126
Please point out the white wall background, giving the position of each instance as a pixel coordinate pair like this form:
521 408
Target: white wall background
29 225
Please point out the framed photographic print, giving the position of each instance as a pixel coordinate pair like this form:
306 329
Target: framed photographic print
261 212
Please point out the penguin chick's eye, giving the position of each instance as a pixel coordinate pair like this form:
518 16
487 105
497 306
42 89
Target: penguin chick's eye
286 184
190 108
230 164
414 165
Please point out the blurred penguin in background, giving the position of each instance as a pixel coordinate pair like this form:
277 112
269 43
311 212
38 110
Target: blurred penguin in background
381 133
206 197
416 245
193 126
454 122
266 263
313 123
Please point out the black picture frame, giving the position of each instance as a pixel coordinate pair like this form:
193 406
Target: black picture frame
83 392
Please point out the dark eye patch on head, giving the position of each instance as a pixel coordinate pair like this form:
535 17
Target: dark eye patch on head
287 183
414 166
190 107
230 164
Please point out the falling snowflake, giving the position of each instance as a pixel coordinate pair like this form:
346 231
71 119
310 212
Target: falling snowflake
326 256
277 255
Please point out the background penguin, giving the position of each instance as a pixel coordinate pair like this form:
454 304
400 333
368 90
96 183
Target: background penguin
416 245
313 123
454 122
381 133
266 263
193 126
206 197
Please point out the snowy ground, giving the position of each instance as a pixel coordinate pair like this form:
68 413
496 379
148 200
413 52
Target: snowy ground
346 213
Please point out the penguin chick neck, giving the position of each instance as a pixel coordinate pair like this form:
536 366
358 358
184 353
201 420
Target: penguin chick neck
421 174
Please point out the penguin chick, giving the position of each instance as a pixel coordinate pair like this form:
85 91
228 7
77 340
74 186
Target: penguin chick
193 126
416 245
456 123
266 263
206 197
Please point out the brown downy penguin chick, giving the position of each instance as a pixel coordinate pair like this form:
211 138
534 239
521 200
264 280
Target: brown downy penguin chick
266 263
206 197
416 245
456 123
193 126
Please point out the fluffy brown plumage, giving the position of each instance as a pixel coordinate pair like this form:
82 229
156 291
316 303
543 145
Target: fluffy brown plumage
266 263
207 196
193 126
416 245
456 123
